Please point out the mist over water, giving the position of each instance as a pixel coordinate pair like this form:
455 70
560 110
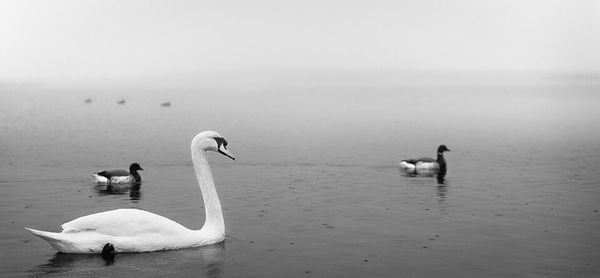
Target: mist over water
316 188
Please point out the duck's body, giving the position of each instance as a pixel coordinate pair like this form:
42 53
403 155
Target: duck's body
120 176
133 230
423 163
114 180
426 164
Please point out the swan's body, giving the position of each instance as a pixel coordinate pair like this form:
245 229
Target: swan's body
128 230
426 164
133 230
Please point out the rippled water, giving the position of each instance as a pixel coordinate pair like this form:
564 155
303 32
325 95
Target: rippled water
316 189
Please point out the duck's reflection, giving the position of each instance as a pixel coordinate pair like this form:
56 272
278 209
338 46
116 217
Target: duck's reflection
102 190
207 259
135 194
134 190
441 191
440 176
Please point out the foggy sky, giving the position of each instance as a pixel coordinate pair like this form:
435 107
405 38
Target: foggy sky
98 39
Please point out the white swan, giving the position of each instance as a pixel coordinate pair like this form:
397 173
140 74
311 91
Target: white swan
133 230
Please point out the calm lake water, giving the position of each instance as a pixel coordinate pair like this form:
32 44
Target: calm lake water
316 190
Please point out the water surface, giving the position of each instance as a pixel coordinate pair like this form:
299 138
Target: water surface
316 189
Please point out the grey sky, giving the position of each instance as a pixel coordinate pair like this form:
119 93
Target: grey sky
98 39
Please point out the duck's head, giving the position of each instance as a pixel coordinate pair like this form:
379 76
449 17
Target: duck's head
442 149
211 141
135 167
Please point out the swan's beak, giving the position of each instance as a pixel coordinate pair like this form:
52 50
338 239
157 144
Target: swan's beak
226 152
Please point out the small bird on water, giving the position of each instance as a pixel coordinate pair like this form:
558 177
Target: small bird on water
426 163
119 176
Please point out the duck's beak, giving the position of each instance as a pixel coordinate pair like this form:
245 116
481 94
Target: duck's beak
226 152
141 169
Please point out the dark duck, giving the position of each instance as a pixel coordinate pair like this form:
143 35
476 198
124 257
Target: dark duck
426 164
120 176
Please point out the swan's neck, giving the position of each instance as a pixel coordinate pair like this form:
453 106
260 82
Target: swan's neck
212 206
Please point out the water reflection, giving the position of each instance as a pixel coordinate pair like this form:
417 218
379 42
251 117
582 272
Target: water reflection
207 260
135 194
134 190
414 173
441 176
441 192
103 191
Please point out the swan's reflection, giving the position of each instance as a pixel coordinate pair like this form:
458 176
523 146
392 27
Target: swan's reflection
207 260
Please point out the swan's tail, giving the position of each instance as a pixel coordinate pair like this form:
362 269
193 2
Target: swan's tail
54 239
99 179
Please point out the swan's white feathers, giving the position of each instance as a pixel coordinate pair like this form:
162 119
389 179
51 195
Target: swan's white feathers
129 230
124 222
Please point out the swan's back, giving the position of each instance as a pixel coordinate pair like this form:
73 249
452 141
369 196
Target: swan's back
124 222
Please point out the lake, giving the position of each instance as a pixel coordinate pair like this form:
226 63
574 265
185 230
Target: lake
315 190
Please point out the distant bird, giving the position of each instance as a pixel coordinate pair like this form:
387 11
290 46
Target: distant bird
119 176
134 230
88 100
165 104
122 101
426 164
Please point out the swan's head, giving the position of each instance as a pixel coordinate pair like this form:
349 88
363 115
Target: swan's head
443 148
135 167
211 141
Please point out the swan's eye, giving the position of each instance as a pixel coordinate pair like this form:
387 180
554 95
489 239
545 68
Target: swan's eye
221 142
